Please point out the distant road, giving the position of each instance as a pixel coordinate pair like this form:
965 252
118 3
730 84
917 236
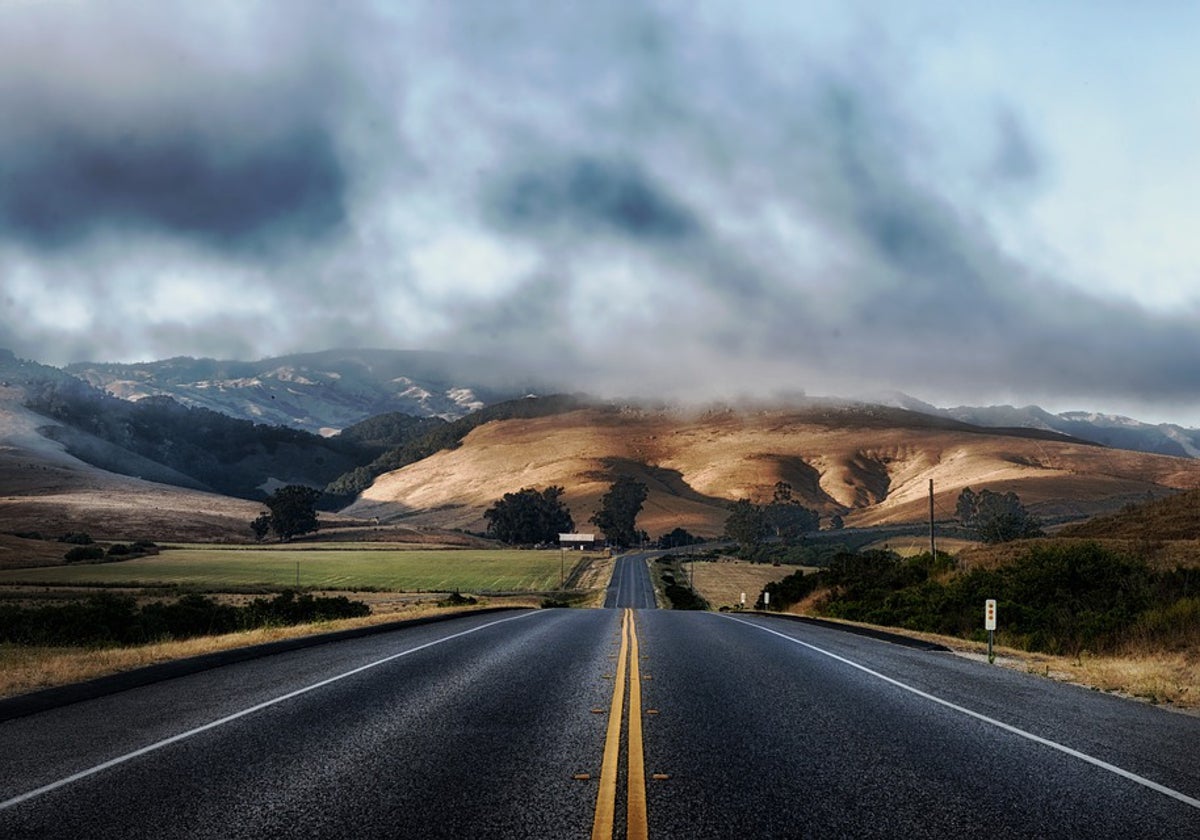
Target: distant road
630 584
757 727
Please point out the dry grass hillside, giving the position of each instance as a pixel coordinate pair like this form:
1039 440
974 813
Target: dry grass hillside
44 489
872 465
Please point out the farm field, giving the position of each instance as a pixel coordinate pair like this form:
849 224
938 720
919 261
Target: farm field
721 584
402 570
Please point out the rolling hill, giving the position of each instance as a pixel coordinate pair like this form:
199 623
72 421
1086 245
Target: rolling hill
870 464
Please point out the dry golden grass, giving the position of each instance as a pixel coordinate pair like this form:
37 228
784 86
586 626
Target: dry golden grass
1169 678
722 583
595 579
25 669
873 467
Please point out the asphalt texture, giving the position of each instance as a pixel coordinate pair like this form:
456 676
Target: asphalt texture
476 728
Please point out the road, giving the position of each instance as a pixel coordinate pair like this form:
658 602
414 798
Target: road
745 726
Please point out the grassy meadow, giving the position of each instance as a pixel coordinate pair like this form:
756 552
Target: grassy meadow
400 570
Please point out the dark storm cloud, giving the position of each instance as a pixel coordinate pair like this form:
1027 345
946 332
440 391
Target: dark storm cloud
225 192
591 195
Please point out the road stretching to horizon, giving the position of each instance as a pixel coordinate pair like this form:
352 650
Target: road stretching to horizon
619 722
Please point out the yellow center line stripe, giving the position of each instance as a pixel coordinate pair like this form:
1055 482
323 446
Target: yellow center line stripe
606 798
635 828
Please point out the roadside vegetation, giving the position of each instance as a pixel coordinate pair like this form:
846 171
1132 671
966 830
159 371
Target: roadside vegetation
673 580
1059 598
108 619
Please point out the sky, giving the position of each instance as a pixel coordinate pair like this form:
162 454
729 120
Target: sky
969 203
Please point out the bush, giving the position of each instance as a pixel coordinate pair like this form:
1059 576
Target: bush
79 538
84 552
455 599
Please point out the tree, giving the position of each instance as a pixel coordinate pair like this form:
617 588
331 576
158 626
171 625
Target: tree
293 511
786 518
746 524
261 526
529 516
996 517
678 538
619 508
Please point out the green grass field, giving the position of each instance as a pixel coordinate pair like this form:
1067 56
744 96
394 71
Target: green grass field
397 570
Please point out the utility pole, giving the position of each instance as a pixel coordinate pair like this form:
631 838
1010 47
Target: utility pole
932 541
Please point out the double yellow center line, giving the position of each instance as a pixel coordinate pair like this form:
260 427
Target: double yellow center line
606 798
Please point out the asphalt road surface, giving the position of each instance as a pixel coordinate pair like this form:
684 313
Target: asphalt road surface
616 722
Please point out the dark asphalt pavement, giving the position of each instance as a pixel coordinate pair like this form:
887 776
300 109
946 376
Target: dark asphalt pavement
476 727
630 584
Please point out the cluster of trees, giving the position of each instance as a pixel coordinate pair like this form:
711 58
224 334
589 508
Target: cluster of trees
996 517
291 512
783 517
529 517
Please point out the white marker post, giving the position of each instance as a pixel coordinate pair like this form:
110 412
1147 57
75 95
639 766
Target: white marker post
743 600
767 600
989 624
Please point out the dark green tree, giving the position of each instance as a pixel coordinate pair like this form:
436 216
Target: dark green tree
746 525
996 517
529 516
619 509
678 538
261 526
786 518
293 511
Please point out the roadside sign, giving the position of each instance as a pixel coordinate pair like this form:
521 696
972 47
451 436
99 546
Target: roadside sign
989 614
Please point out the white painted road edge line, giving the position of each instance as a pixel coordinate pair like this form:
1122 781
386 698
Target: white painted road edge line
1104 765
158 745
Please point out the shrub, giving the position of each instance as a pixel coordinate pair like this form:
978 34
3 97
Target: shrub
78 538
84 552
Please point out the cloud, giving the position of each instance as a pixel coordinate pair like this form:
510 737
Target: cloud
590 195
234 194
639 199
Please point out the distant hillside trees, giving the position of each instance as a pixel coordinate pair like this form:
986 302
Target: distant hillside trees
679 538
529 517
292 513
996 517
784 517
619 509
746 525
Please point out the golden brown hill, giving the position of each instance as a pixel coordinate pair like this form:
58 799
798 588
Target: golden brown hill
872 465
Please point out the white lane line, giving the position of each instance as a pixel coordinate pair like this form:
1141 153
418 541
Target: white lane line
158 745
1104 765
620 575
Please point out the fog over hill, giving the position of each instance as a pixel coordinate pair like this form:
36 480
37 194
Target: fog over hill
318 392
1107 429
324 392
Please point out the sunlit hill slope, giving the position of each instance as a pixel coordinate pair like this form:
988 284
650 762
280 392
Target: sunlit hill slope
870 464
